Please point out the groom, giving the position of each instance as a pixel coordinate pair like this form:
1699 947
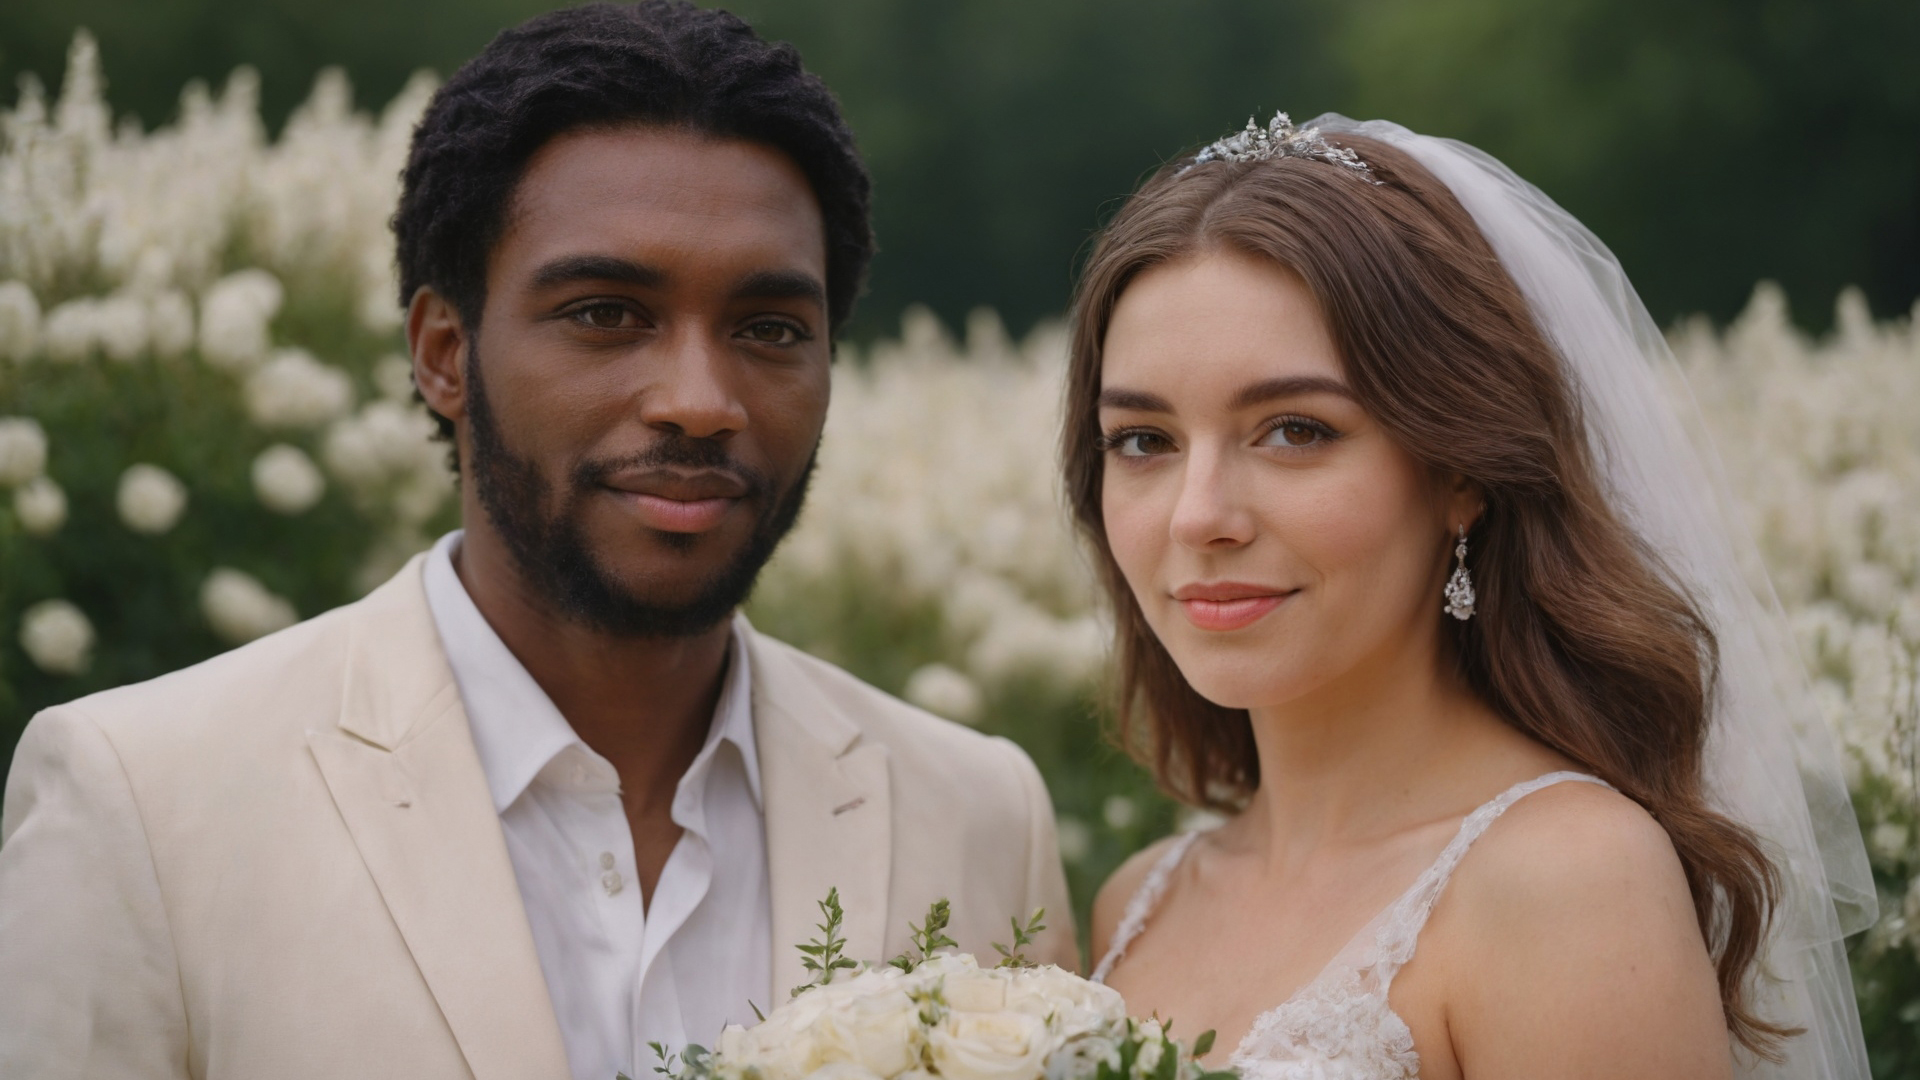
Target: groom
544 797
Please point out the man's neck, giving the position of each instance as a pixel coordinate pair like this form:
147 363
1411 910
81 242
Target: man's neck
644 704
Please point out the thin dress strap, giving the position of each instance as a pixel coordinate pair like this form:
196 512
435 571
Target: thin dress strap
1402 922
1140 907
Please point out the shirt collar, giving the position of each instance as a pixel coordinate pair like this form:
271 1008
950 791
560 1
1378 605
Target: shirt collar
517 731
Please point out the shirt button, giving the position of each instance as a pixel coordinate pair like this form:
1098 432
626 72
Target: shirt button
606 860
611 882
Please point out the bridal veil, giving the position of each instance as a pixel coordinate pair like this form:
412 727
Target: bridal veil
1771 763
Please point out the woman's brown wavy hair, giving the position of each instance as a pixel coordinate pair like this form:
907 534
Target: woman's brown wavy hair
1581 640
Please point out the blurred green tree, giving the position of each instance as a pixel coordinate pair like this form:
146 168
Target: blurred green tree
1711 143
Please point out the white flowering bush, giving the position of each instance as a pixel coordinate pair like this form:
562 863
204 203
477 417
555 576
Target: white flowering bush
203 437
207 432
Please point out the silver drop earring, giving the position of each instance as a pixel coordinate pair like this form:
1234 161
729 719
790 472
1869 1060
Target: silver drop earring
1459 591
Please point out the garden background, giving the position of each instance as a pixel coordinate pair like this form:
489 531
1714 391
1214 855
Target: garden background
206 429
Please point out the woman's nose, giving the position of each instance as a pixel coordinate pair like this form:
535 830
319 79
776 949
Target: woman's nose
1209 514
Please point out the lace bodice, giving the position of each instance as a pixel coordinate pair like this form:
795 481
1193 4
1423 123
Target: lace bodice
1338 1026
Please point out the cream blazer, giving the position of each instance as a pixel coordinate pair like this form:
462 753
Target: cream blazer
284 862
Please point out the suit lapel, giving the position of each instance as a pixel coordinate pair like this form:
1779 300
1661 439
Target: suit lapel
403 771
828 814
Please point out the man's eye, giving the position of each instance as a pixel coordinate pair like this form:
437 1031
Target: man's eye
773 332
606 316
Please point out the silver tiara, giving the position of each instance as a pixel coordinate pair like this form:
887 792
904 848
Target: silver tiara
1280 139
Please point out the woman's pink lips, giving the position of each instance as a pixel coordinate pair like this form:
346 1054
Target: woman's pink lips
678 515
1220 615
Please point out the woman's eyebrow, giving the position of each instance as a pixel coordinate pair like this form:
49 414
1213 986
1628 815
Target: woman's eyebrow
1119 397
1292 386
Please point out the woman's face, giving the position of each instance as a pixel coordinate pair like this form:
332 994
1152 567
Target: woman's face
1279 543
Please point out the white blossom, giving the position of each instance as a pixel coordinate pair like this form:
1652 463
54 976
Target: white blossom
940 689
286 479
19 321
294 390
234 316
40 505
150 499
57 637
1075 839
23 450
241 609
71 330
170 323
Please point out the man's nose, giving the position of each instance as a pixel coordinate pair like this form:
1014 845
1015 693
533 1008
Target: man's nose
1210 514
692 389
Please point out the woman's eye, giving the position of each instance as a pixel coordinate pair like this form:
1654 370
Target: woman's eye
605 316
773 332
1296 434
1139 443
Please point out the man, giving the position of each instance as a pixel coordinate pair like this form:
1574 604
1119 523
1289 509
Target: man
544 797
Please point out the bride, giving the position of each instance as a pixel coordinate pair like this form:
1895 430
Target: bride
1418 578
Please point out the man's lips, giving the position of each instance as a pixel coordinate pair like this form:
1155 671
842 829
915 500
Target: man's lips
1228 605
681 502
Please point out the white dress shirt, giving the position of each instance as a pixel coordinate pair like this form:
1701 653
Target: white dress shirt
621 972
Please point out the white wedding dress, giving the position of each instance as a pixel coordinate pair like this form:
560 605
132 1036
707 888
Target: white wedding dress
1339 1026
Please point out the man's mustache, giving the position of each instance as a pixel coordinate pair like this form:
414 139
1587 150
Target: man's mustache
674 452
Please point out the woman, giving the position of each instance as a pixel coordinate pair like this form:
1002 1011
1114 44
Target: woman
1416 577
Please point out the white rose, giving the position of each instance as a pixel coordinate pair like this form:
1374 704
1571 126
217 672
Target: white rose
292 389
1076 1004
150 499
40 505
286 479
23 450
234 316
57 637
940 689
989 1046
880 1031
240 609
975 990
19 321
844 1070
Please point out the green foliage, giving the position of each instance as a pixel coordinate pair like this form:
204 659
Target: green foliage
928 937
1014 955
822 955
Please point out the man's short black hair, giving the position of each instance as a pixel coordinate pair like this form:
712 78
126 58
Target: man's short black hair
659 62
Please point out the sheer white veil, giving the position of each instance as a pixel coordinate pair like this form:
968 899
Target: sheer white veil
1771 763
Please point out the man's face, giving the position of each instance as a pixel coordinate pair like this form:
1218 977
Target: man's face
650 376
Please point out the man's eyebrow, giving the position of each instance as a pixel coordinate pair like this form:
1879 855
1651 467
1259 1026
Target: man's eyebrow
781 285
571 269
1119 397
1291 386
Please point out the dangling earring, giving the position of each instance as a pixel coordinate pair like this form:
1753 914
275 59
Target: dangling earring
1459 591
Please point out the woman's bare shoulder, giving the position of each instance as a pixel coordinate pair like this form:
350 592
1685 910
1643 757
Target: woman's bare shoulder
1572 914
1111 902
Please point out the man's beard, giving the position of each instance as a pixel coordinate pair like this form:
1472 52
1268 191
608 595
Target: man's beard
550 546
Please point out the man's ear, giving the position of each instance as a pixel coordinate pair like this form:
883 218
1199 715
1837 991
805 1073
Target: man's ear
438 341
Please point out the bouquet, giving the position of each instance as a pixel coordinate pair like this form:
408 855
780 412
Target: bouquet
934 1014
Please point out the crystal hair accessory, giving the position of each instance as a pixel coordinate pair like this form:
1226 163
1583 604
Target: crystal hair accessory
1280 139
